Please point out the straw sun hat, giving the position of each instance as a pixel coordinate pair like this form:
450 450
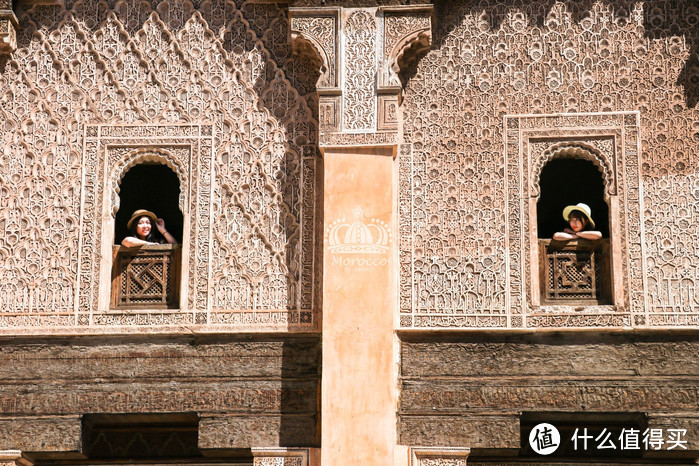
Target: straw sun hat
582 208
142 213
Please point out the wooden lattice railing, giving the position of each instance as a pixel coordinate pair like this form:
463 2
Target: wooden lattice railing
146 277
573 272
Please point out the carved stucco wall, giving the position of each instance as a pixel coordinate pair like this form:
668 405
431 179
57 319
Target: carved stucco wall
459 221
209 85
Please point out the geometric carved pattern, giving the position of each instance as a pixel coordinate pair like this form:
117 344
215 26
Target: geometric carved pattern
95 88
575 270
459 267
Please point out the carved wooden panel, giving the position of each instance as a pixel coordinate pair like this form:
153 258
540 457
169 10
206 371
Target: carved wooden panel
574 272
464 261
155 75
146 277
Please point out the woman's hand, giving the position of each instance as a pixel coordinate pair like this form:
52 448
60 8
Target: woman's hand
160 225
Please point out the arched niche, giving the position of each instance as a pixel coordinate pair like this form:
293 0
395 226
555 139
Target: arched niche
149 179
568 181
150 186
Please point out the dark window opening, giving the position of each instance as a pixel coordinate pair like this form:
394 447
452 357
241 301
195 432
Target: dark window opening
153 187
577 271
567 182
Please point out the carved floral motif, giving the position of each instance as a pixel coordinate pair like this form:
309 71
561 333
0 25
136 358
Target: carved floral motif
359 98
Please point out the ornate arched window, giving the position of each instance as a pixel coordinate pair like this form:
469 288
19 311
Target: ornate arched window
147 277
575 271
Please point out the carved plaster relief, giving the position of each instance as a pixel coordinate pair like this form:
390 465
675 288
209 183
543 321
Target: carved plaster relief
407 33
611 142
359 101
320 28
93 89
545 59
359 97
109 152
466 288
315 33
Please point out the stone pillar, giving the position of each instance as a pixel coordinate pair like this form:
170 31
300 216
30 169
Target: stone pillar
362 51
359 384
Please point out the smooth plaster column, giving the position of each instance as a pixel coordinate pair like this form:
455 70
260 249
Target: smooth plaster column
358 381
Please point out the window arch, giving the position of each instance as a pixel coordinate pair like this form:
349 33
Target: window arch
151 186
147 276
576 271
568 181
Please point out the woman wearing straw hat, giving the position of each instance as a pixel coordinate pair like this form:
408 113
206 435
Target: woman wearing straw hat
579 218
141 227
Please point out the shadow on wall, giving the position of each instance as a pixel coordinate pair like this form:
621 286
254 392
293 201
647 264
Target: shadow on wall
662 19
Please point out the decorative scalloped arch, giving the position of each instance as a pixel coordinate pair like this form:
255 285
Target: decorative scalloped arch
303 44
575 150
406 51
146 155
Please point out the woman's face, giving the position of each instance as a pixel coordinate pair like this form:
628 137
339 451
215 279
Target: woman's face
577 222
143 227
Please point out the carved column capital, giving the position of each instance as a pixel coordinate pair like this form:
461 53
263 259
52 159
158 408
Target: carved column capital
286 457
10 457
438 456
358 99
8 27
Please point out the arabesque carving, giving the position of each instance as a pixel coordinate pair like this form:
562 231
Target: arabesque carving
577 150
321 32
359 97
94 88
464 259
407 35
